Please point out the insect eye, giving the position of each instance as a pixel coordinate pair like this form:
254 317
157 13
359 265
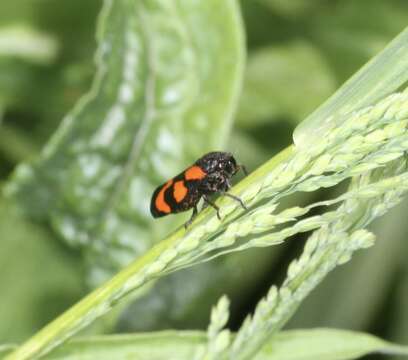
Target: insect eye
229 167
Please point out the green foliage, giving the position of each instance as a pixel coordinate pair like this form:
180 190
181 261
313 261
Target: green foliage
274 68
154 85
167 84
316 344
29 304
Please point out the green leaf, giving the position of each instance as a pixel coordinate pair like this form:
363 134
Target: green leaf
326 344
6 349
28 44
399 315
293 8
286 173
39 278
14 145
316 344
272 83
383 75
167 72
39 83
345 32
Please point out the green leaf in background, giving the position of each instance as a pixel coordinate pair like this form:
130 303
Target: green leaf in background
347 32
330 40
293 8
28 44
5 349
39 277
45 65
327 344
167 72
316 344
400 310
351 32
14 145
371 83
271 87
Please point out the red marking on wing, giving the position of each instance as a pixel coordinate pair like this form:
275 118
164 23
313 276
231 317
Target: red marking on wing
194 173
160 202
179 191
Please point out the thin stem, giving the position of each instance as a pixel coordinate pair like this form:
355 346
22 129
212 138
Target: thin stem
394 350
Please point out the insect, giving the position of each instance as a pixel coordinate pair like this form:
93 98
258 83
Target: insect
208 175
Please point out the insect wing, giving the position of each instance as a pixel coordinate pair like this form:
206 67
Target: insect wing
159 206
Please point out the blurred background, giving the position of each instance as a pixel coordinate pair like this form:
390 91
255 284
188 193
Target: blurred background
299 53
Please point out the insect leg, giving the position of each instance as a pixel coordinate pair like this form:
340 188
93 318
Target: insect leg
209 202
193 215
205 205
236 198
244 169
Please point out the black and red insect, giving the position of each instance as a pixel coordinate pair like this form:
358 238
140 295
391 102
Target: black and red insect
208 175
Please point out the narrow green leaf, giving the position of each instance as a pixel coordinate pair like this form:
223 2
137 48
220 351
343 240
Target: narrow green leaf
384 74
316 344
6 349
169 345
167 72
326 344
